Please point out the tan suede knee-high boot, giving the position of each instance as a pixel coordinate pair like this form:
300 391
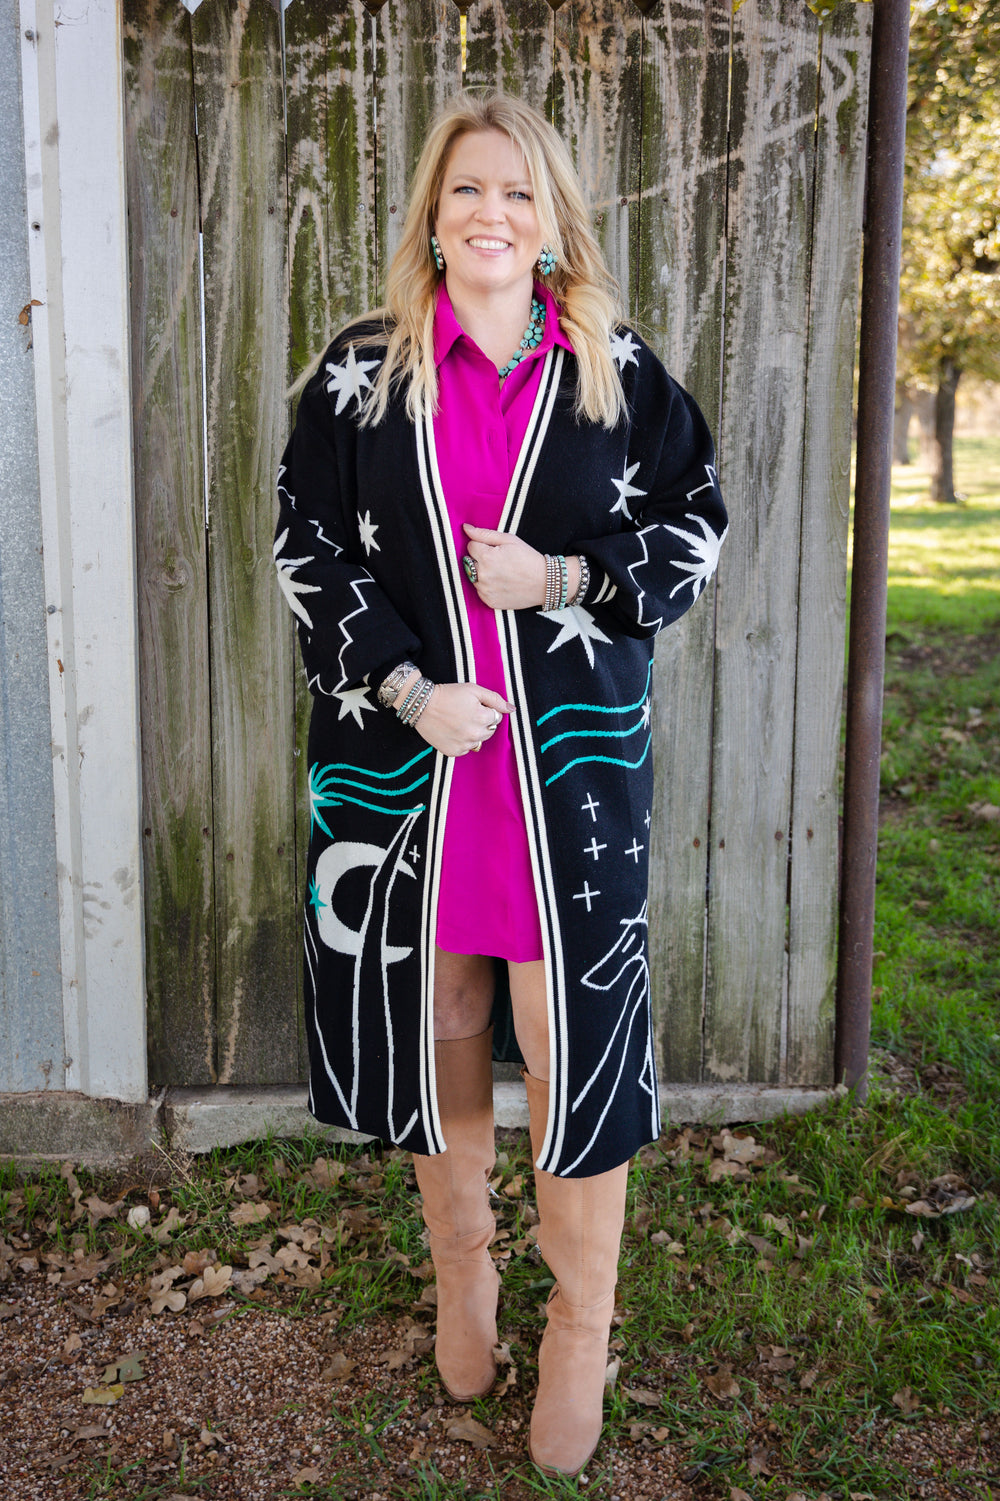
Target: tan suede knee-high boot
579 1235
457 1213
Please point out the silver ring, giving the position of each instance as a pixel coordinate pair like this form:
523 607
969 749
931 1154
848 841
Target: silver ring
496 722
471 572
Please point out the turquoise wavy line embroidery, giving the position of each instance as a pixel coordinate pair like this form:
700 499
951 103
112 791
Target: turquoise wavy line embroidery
324 789
609 760
601 708
379 776
594 734
322 786
335 802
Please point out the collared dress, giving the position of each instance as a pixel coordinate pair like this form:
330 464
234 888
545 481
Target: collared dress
369 561
487 902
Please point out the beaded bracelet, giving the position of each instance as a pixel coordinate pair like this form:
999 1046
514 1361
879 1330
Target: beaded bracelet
551 582
409 700
563 581
584 584
416 701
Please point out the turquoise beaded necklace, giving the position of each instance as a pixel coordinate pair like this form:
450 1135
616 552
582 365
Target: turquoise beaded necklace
531 339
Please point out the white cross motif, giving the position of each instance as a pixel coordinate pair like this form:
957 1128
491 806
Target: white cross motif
635 851
414 854
647 818
585 895
647 710
591 808
593 848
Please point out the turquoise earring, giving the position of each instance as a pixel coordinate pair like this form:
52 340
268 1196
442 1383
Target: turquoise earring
436 252
547 260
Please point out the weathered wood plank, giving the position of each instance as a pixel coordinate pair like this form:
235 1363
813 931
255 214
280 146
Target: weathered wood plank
417 67
595 102
331 248
178 816
330 157
682 239
240 122
510 48
845 50
772 120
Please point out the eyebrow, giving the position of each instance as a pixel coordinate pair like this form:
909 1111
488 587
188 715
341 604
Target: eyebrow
514 182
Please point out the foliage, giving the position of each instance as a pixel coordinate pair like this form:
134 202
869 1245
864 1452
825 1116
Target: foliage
950 294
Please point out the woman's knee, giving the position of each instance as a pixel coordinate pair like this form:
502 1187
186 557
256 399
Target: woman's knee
463 994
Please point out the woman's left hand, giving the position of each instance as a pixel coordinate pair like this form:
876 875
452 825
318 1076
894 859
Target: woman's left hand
510 574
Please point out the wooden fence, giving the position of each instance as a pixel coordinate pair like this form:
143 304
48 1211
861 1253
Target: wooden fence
723 156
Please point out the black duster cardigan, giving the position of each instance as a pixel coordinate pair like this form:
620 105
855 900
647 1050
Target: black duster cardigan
365 557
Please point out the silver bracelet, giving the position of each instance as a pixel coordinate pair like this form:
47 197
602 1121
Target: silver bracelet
391 685
556 582
584 584
416 701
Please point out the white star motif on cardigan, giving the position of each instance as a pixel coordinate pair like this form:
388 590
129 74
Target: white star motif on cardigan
353 701
291 587
368 529
626 490
705 548
575 624
624 350
349 379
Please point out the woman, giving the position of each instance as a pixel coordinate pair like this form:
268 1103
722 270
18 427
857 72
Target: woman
493 499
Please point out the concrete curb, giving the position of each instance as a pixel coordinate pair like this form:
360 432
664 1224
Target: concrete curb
56 1126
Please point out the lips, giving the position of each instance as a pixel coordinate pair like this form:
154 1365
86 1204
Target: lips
481 243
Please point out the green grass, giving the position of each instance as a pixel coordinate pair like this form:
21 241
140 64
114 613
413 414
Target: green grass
829 1308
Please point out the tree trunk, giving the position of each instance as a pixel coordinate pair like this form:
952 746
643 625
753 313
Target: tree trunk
943 468
901 426
923 401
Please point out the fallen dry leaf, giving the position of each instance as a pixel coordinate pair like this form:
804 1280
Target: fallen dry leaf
641 1395
249 1214
907 1402
212 1284
723 1384
338 1368
128 1368
103 1396
467 1430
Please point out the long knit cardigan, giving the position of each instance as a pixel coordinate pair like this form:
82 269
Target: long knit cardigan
366 559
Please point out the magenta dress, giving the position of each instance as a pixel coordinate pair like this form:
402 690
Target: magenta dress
487 902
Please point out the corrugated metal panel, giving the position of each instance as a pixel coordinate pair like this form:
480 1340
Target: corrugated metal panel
31 1009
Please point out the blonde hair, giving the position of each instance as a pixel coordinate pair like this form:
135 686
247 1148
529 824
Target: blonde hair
581 283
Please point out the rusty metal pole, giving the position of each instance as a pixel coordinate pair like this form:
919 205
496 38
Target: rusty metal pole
866 656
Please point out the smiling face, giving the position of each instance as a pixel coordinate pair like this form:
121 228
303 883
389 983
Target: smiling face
486 222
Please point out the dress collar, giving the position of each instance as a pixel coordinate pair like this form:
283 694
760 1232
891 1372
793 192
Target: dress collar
447 328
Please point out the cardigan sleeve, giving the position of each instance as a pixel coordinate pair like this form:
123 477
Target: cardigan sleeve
646 575
349 631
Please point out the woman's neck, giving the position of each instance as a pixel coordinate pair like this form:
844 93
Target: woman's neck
494 320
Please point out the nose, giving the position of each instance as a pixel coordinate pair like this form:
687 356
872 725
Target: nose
491 208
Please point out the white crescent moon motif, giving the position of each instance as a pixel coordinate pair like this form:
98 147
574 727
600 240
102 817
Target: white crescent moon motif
335 861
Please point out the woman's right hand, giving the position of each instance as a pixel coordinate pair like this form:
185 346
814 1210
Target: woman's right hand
458 716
